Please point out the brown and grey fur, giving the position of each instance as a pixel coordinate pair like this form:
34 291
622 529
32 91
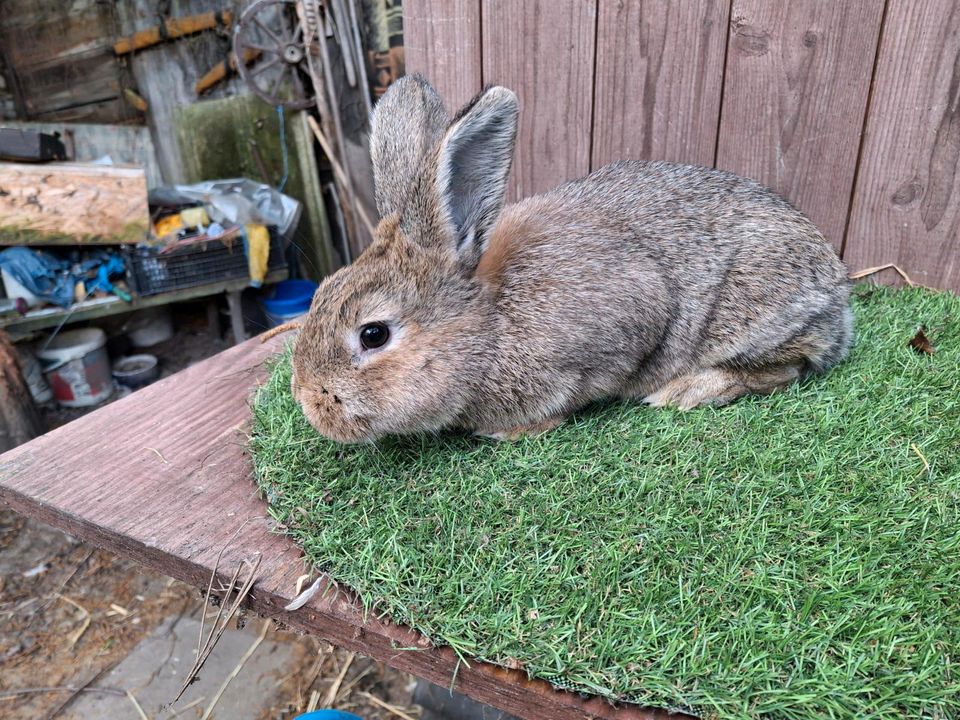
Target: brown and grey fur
671 284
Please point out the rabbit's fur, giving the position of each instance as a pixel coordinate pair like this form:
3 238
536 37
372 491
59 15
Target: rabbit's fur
667 283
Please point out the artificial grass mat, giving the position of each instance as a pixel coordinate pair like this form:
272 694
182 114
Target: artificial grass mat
796 555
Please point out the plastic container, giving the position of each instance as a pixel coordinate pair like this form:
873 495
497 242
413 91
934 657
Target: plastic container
287 300
77 367
328 715
135 371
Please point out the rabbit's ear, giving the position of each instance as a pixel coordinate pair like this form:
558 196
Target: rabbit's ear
473 163
407 124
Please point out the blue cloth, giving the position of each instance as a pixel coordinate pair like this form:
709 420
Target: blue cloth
53 279
113 265
43 274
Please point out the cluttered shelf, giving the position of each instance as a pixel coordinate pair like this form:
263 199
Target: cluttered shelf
191 241
94 308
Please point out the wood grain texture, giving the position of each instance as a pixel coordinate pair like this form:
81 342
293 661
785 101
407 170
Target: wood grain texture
162 477
797 80
441 41
19 419
544 51
658 80
61 57
906 207
72 203
165 75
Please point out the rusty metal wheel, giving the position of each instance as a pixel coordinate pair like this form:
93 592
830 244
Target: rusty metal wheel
270 30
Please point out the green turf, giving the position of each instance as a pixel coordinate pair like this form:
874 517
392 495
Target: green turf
790 555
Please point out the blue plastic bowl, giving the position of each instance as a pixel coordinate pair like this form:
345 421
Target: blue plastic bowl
328 715
290 298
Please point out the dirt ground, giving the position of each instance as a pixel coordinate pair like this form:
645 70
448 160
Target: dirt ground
71 614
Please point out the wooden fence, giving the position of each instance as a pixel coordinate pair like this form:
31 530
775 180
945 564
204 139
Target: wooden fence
849 108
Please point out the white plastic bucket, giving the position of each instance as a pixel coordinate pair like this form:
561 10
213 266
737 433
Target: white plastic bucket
33 374
77 367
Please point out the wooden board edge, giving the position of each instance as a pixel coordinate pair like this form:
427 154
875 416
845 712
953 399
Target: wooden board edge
76 168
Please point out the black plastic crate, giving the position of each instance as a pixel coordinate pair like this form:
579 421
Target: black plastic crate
151 272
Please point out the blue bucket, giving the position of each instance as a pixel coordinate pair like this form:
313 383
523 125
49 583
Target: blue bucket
287 300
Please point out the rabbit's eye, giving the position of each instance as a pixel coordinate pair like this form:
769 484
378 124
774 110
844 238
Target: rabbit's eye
374 335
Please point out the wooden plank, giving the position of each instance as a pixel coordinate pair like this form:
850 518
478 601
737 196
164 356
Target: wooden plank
57 30
75 81
441 40
104 111
67 69
161 477
906 207
798 75
70 203
658 80
544 51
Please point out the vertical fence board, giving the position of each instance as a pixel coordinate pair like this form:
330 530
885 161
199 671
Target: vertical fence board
906 207
795 94
442 42
658 80
544 51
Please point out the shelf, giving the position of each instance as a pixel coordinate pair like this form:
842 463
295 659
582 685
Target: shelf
104 307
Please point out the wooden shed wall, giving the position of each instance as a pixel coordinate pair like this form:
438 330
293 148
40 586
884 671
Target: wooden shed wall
58 63
849 109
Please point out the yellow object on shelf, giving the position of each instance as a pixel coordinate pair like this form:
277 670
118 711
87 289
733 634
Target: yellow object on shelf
194 217
258 252
168 225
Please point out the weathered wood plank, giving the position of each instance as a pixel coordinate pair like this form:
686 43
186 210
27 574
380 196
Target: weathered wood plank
544 51
57 203
67 69
74 81
161 477
56 30
798 75
906 207
441 41
658 80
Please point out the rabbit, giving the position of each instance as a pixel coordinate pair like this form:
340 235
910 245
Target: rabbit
669 284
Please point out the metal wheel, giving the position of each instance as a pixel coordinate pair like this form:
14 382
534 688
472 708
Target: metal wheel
271 29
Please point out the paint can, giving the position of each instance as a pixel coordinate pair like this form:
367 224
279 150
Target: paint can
77 367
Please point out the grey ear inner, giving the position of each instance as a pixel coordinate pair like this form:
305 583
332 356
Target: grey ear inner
406 126
473 165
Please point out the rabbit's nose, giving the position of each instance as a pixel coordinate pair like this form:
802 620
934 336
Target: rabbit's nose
324 391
